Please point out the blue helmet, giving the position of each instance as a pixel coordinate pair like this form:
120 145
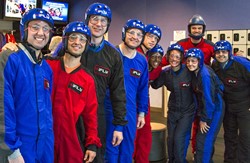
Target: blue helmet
196 20
156 49
98 9
197 53
153 29
175 47
133 23
76 27
34 14
224 45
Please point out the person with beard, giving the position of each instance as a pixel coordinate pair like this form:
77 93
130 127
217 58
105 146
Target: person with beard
26 129
136 85
74 96
104 62
208 90
143 141
196 30
76 88
181 103
234 72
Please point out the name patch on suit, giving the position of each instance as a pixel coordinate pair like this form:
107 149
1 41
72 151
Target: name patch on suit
135 73
78 89
46 84
231 81
103 71
184 85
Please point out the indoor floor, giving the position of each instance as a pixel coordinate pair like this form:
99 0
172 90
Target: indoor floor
156 116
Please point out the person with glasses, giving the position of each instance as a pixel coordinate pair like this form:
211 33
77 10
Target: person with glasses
142 150
210 104
26 128
136 85
196 28
103 60
181 103
74 96
234 72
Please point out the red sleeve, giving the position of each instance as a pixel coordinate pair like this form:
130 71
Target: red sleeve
155 73
164 61
90 116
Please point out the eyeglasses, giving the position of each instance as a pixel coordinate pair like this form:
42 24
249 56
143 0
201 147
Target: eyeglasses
36 28
133 33
95 19
74 36
152 36
175 56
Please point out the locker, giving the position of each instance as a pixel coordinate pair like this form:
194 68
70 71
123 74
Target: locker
241 48
248 52
212 36
239 37
226 35
248 36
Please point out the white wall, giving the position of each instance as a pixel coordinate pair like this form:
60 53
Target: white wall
155 97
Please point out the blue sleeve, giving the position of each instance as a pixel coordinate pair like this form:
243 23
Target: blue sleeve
246 66
159 82
143 91
8 68
208 95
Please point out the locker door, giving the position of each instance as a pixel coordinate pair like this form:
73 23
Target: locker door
226 35
242 49
239 37
212 36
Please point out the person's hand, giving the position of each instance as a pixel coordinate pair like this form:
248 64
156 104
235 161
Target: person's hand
10 46
89 156
204 127
117 138
140 122
240 53
19 159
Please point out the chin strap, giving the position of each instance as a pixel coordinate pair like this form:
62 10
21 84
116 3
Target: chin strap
196 37
133 48
145 47
73 55
28 44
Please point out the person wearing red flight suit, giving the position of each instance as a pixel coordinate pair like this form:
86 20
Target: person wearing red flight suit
143 139
196 29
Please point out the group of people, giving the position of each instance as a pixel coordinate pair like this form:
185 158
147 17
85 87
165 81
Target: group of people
91 102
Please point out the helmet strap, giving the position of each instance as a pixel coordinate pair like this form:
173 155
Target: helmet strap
73 55
195 37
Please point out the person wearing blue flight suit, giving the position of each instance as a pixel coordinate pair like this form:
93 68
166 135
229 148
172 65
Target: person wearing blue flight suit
181 105
234 72
210 105
136 85
26 129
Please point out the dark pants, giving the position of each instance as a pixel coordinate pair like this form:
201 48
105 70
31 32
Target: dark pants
179 131
237 136
100 153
